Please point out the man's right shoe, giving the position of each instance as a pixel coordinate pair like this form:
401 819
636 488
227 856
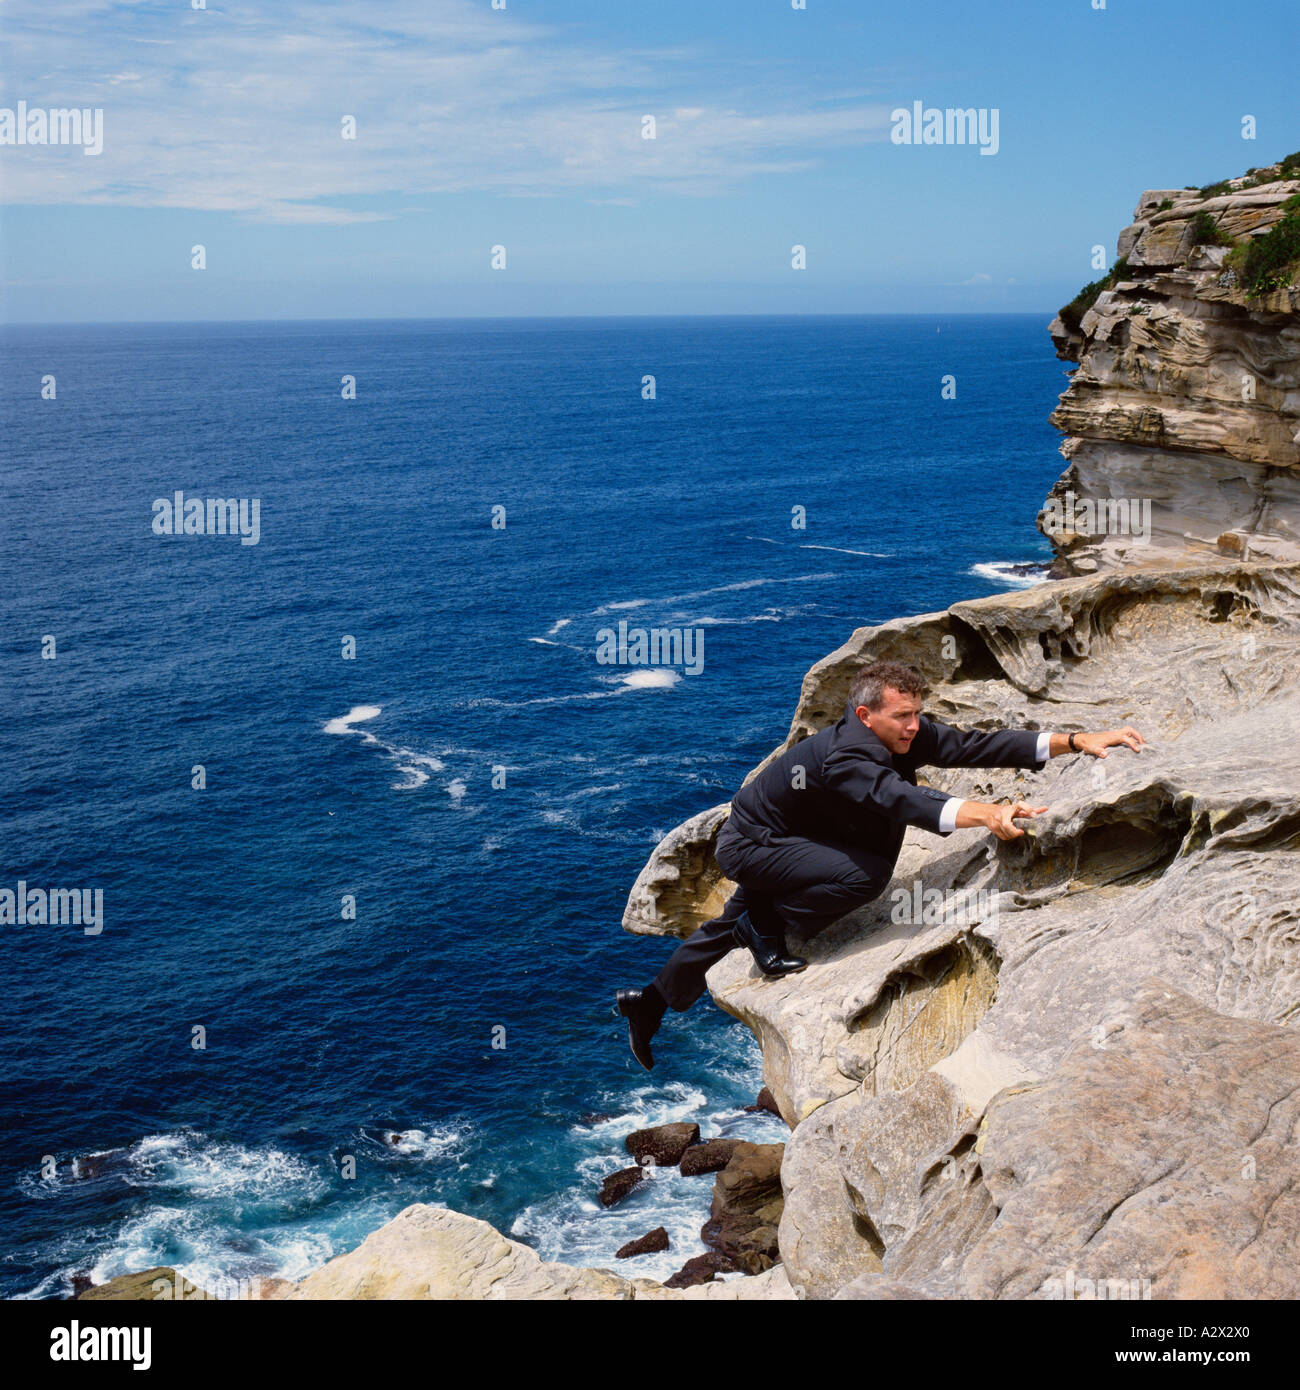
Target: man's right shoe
642 1022
769 955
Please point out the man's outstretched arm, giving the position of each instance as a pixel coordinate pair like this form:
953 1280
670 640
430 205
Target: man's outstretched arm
963 815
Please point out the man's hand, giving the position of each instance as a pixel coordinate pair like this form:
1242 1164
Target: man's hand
996 818
1096 744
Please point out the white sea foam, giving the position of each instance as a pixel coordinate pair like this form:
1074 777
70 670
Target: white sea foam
212 1209
200 1167
592 791
651 678
491 702
410 763
873 554
421 759
707 593
840 549
1000 572
457 789
771 616
644 678
225 1215
440 1141
343 724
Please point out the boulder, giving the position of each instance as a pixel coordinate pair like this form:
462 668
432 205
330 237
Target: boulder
766 1101
662 1144
700 1269
709 1157
617 1185
647 1244
746 1208
152 1285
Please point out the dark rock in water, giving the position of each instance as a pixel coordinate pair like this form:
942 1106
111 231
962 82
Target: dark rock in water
709 1157
747 1206
595 1117
80 1283
618 1185
93 1165
665 1144
154 1285
700 1269
647 1244
766 1101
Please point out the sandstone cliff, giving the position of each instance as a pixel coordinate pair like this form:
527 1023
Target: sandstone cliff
1187 395
1078 1061
1077 1066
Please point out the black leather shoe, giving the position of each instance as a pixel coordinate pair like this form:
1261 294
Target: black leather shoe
769 954
642 1023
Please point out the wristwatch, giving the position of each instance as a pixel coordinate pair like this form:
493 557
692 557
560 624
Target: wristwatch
1073 748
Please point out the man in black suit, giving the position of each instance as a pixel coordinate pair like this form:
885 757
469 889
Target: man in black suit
817 832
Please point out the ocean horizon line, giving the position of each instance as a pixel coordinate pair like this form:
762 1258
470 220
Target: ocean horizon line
524 318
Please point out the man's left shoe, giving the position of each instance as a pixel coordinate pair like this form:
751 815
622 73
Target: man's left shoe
643 1014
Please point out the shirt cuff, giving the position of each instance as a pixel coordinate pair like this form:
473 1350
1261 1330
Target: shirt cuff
1044 751
948 816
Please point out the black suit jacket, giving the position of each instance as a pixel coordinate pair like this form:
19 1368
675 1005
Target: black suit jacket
842 786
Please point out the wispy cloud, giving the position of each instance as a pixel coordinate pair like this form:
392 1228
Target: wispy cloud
242 110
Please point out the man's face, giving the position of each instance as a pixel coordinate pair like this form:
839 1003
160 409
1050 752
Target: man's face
897 720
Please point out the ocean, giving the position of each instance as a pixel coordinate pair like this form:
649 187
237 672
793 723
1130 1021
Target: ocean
396 699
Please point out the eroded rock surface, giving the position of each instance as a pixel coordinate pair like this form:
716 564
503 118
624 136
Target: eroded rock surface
1178 863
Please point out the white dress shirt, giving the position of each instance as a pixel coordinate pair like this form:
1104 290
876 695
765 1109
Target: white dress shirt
948 816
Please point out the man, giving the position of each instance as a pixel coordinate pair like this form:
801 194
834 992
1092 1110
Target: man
818 831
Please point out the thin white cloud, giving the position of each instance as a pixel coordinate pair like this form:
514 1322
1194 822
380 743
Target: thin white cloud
242 110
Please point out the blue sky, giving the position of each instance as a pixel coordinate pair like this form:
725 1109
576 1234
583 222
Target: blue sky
522 127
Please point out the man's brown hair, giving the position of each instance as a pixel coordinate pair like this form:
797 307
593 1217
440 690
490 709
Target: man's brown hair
868 687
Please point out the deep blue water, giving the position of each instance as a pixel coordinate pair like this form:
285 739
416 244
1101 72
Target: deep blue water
478 907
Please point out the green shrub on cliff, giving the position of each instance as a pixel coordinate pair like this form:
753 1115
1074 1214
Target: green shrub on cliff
1205 231
1269 262
1071 314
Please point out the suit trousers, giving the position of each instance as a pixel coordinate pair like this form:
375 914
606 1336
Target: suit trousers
792 882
